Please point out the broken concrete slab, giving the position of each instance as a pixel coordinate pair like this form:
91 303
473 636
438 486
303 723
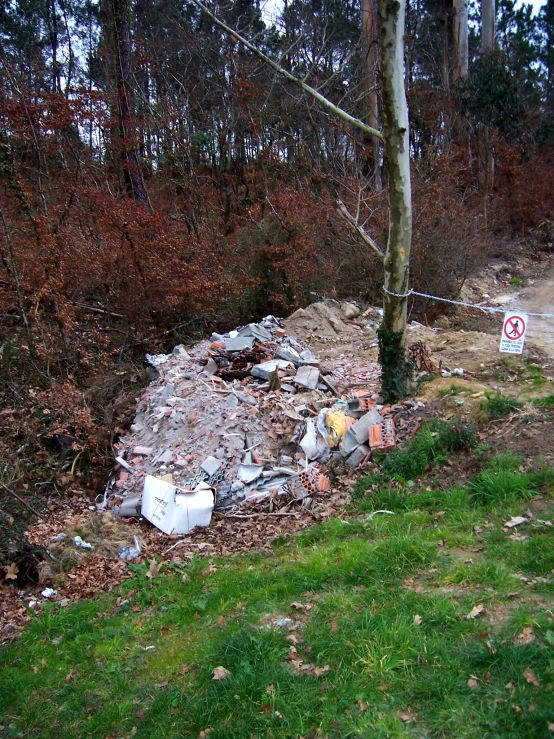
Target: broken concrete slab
289 354
211 367
239 343
306 357
249 472
265 370
358 456
211 465
348 444
307 377
257 331
350 310
361 428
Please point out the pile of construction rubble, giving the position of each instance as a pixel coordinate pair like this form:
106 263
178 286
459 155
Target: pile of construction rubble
249 415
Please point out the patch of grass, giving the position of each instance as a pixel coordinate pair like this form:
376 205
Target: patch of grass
492 487
498 406
452 390
378 604
516 281
432 444
546 402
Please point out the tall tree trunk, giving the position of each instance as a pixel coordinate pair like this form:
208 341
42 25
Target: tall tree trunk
370 46
396 365
121 25
488 23
548 56
460 33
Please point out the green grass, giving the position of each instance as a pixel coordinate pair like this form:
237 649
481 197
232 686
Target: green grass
498 406
433 444
383 612
546 402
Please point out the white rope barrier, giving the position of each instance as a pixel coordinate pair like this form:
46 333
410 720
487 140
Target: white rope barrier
478 306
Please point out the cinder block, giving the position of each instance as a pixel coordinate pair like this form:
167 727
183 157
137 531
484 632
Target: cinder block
358 456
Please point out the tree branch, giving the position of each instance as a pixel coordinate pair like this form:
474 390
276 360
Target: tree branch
353 222
277 67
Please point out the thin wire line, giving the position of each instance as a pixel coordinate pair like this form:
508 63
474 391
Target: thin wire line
486 308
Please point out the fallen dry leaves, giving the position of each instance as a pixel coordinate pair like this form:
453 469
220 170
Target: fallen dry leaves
407 716
526 636
220 673
476 611
154 569
531 678
10 571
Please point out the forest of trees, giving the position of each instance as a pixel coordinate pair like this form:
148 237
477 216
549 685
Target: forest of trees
155 173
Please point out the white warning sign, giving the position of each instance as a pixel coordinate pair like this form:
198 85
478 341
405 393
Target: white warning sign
513 333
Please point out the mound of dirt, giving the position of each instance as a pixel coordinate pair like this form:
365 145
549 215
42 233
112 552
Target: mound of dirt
323 321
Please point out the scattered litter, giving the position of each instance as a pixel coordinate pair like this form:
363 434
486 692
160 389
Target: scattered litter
128 554
156 359
80 544
515 521
282 623
375 513
48 593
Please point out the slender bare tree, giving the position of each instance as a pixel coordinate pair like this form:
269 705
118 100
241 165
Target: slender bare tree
460 33
488 23
396 366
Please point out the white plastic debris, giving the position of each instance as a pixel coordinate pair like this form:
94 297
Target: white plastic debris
58 537
515 521
81 544
156 359
49 593
130 553
173 511
313 445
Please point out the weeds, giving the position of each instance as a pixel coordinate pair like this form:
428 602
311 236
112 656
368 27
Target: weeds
433 443
498 406
545 403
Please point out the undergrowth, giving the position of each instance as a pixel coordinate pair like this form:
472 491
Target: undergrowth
498 406
432 444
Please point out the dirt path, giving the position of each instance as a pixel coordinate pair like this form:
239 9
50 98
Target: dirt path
539 298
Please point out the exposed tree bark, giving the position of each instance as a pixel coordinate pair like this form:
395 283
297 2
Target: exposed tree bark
121 27
370 46
460 33
488 23
396 366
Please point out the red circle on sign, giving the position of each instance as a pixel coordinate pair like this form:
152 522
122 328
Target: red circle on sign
514 328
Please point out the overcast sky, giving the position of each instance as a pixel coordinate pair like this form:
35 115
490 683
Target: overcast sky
537 4
270 7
